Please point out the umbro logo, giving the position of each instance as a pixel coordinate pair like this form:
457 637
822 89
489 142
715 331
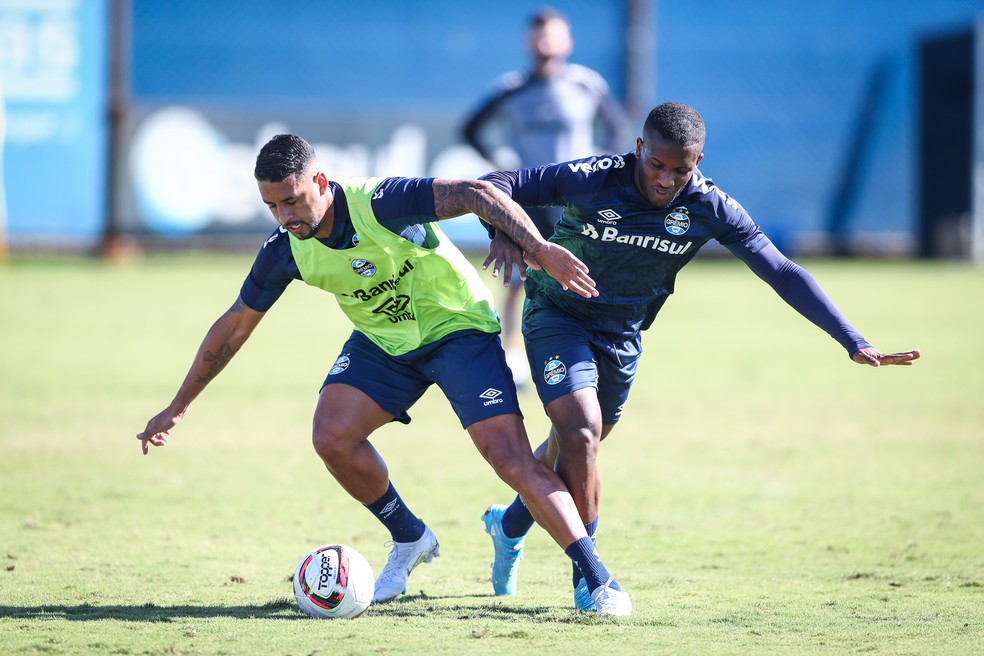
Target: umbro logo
389 508
491 395
376 195
609 215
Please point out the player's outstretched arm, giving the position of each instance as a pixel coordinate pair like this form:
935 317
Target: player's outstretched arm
875 358
456 197
800 290
222 341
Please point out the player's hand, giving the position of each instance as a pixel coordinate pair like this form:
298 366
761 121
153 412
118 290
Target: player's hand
566 269
875 358
158 429
504 253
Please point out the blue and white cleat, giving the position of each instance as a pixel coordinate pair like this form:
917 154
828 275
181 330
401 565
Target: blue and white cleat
609 601
403 558
508 552
582 597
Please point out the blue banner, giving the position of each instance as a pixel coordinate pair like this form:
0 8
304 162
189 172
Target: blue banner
53 74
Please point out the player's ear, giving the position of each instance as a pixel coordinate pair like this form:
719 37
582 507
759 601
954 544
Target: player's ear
639 143
699 157
322 181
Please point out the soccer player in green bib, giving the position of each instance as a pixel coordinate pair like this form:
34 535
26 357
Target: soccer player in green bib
422 316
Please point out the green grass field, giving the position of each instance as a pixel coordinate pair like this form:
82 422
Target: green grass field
762 495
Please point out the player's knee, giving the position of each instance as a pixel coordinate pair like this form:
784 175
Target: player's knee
581 442
512 468
330 443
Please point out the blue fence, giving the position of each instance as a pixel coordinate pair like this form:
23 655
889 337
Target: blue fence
810 106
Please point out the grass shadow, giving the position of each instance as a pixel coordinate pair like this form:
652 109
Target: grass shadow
406 606
280 609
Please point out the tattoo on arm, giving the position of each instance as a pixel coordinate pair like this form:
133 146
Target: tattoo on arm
506 215
218 362
455 198
449 200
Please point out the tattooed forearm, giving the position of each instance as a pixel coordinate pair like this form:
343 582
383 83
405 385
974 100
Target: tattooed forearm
456 197
449 199
217 361
507 216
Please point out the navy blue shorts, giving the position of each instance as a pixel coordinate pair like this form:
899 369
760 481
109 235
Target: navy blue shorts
469 366
564 357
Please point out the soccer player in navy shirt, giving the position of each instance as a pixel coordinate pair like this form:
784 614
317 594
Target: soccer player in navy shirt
419 311
554 112
635 219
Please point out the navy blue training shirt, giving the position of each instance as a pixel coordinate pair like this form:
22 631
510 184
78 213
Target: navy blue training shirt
635 250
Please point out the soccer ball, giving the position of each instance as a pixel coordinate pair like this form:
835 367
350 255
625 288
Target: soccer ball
334 580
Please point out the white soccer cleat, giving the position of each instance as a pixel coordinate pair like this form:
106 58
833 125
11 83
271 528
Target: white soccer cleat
609 601
403 557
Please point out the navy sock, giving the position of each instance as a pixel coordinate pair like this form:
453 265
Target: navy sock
403 525
583 553
592 529
517 520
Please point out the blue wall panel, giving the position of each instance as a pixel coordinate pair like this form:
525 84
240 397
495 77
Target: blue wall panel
781 85
53 76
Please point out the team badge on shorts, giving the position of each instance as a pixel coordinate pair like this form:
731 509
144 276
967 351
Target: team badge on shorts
677 223
364 268
554 371
341 364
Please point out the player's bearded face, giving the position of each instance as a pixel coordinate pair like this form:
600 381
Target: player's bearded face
665 167
297 203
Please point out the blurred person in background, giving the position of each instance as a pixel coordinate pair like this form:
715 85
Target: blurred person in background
549 113
422 316
635 219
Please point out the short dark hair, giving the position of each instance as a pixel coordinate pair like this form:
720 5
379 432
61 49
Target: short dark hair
544 14
283 156
677 122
